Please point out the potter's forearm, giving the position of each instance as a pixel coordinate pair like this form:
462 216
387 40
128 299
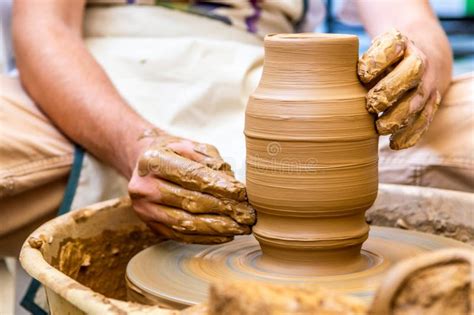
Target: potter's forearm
69 86
418 22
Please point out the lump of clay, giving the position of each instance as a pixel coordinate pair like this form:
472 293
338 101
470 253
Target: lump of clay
249 298
436 284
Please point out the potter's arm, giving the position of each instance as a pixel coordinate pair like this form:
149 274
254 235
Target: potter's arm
67 83
69 86
425 52
418 22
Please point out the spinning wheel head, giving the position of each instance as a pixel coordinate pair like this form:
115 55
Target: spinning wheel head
178 275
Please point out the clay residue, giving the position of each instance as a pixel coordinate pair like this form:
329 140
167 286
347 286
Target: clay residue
166 164
436 290
196 202
207 224
417 125
200 196
429 215
386 50
198 309
35 242
253 298
99 262
82 215
404 77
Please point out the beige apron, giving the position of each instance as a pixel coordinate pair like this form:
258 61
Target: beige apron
192 80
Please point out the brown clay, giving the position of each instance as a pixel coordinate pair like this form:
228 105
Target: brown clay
389 90
206 224
416 128
253 298
393 69
210 155
200 196
386 50
198 203
437 283
192 175
405 207
311 153
99 262
397 117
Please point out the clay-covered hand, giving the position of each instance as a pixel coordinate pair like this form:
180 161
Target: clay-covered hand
402 89
185 191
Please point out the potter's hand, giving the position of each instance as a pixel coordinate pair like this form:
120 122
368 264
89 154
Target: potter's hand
403 88
185 191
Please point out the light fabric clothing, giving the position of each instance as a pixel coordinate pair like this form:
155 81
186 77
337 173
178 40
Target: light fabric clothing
254 16
34 164
445 155
192 80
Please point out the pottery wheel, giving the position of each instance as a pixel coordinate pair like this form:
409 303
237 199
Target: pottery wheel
179 275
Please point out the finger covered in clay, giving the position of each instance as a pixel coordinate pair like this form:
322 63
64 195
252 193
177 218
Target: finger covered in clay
207 154
385 50
397 116
199 203
406 75
168 232
212 158
165 163
412 133
202 224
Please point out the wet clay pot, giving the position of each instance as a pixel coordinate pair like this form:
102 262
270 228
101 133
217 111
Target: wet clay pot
311 155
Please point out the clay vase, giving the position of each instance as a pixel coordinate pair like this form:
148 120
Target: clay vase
311 164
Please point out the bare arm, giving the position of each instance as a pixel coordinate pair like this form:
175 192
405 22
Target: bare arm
407 69
69 86
416 20
72 89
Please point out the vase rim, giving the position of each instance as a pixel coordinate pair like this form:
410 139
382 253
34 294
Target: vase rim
308 37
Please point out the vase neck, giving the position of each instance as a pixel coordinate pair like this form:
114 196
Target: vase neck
314 62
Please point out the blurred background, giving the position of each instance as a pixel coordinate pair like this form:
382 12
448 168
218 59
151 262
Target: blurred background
457 18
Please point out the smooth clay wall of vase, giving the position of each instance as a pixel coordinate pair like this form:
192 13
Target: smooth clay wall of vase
311 155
